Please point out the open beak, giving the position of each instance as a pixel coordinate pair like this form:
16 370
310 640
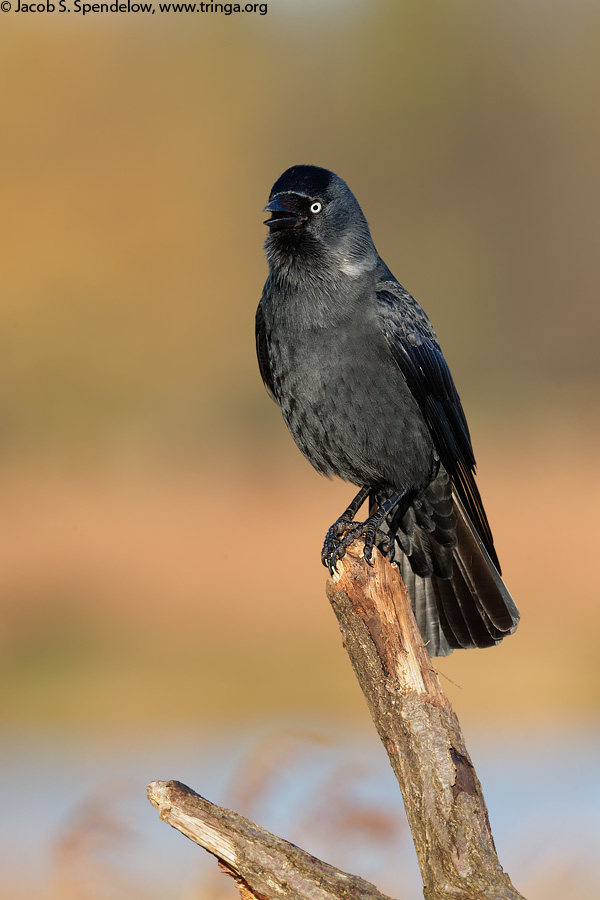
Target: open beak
281 216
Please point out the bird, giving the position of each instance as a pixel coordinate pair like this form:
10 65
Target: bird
356 368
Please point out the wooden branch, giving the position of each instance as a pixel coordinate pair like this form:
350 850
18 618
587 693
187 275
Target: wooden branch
443 799
442 795
264 866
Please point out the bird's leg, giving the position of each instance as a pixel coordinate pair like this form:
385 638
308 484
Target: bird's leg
329 556
384 540
343 532
371 526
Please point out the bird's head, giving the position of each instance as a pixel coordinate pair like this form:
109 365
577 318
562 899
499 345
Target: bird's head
315 217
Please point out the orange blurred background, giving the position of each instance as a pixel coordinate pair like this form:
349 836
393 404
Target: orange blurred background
159 532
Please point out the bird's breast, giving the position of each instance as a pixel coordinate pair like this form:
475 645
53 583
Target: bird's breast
347 404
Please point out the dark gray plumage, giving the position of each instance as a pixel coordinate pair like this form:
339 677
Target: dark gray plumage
356 368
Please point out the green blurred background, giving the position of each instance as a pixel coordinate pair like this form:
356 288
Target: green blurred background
159 532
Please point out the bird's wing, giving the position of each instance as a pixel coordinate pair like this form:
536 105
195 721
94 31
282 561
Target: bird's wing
414 346
262 352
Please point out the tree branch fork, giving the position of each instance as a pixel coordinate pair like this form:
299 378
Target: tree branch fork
442 795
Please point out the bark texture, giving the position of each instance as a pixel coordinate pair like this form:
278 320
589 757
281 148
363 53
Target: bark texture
444 803
263 865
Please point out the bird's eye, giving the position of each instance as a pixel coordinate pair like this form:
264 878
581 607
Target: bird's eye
316 207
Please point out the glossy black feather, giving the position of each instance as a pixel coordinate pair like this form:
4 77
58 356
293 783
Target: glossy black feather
415 348
262 352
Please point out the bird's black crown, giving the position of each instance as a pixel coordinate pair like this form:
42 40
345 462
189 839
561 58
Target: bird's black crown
311 181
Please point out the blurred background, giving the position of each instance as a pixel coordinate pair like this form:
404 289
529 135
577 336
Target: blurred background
162 604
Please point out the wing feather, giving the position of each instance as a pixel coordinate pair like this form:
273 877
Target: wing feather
415 348
262 352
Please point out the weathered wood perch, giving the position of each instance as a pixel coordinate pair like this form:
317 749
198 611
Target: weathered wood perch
265 865
442 795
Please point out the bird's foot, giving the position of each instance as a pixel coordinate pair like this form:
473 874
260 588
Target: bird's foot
332 547
374 537
342 534
338 538
345 531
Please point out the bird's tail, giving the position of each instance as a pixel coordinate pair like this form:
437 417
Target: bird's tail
458 596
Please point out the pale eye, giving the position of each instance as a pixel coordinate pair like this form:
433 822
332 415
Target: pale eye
316 207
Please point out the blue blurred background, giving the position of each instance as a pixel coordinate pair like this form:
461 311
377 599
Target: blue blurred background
162 607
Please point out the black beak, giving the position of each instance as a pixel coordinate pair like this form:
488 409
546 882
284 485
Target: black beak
281 216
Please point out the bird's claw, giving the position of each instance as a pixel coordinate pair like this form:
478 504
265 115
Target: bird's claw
380 539
338 538
341 535
368 549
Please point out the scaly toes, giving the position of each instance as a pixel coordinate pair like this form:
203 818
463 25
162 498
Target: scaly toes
335 547
380 539
339 536
330 552
332 539
369 542
343 533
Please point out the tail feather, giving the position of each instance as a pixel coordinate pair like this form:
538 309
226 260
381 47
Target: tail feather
425 603
491 592
458 596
